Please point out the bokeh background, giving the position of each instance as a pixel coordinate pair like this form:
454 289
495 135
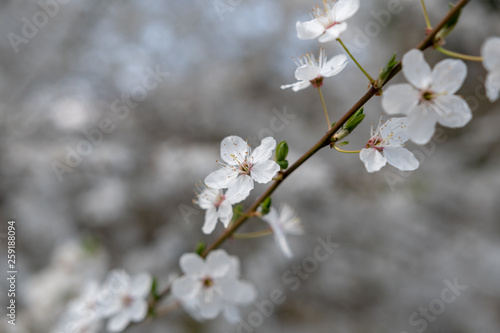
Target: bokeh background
219 65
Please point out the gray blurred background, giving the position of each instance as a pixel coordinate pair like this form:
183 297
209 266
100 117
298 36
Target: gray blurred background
126 201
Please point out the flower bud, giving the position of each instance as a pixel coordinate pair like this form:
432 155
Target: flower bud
281 151
384 72
283 164
448 27
200 247
265 206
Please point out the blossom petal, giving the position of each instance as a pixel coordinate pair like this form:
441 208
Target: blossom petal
225 212
185 287
344 9
264 172
297 85
221 178
234 150
307 72
448 76
373 159
275 223
421 125
264 151
191 263
490 51
239 292
395 131
457 112
210 307
232 314
401 158
210 220
416 70
240 189
138 310
333 32
399 99
118 322
207 198
218 263
309 29
493 85
334 66
141 285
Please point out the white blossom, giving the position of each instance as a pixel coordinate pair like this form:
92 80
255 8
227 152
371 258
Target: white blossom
429 98
490 51
123 299
328 23
282 223
218 206
242 166
386 145
211 286
311 71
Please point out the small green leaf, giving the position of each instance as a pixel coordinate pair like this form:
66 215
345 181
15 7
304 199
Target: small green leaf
343 143
154 289
354 121
265 206
450 24
200 247
283 164
237 211
384 72
281 151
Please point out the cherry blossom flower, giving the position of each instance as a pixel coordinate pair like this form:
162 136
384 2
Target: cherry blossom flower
311 72
429 98
282 223
386 145
242 167
490 51
123 298
211 286
218 206
328 22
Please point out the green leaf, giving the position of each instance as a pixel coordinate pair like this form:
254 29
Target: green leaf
283 164
354 121
384 72
154 289
281 151
343 143
200 247
265 206
448 27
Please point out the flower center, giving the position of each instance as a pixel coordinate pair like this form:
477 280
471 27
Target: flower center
426 96
245 168
219 200
375 142
207 282
127 300
325 16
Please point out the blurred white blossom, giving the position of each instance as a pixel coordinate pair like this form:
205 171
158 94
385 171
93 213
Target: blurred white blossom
490 52
218 206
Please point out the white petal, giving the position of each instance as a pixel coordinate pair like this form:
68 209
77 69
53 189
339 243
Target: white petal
218 263
234 150
373 159
210 221
207 198
118 322
395 131
191 263
240 189
493 85
264 151
232 314
455 112
309 29
401 158
307 72
421 125
490 51
290 221
399 99
185 287
297 85
264 172
448 76
234 270
344 9
225 212
334 66
210 308
333 32
138 310
415 69
141 285
221 178
238 292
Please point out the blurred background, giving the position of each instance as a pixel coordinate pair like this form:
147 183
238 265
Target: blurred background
112 112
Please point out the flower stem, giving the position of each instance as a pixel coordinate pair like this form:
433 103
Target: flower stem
354 59
346 151
255 234
427 21
328 123
459 55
